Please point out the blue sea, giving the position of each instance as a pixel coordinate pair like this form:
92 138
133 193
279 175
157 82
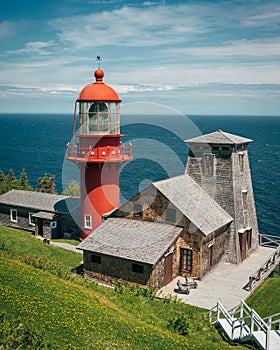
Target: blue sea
38 144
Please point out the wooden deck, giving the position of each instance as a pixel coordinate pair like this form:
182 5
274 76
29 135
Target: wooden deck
227 283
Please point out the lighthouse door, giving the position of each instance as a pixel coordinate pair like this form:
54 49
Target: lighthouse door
168 268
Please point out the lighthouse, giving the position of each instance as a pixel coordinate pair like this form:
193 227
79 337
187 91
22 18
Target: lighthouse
97 149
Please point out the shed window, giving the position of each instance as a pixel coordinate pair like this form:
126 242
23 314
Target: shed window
88 222
96 259
138 210
186 259
32 220
171 214
137 268
208 164
13 215
54 224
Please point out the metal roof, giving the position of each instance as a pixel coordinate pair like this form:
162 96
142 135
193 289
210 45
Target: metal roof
219 137
136 240
194 203
40 201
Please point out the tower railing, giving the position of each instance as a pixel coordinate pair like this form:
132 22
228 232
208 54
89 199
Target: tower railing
105 153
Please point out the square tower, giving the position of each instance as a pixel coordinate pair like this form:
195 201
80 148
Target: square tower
219 163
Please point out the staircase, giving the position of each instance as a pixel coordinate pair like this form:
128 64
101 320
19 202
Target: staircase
243 324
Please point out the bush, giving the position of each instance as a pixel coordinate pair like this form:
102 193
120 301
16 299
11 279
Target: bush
132 289
15 335
179 323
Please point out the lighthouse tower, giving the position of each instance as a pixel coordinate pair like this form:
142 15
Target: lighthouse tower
97 149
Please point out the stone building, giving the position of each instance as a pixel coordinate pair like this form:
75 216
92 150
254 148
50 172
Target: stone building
47 215
184 225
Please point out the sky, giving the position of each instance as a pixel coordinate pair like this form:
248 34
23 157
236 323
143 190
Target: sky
198 57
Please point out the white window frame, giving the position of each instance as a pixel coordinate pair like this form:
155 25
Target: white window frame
30 219
88 221
54 224
11 215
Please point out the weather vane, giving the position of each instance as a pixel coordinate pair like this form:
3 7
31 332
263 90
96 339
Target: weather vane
99 59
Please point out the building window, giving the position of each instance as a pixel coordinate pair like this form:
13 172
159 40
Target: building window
46 223
241 161
138 210
208 164
13 215
32 220
245 199
96 259
88 223
54 224
137 268
170 214
186 260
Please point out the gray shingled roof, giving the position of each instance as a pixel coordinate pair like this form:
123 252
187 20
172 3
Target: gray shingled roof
194 203
137 240
219 137
40 201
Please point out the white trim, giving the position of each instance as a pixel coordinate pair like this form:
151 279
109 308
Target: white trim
11 215
54 224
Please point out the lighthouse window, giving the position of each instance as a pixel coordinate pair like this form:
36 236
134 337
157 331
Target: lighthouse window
208 164
245 199
98 117
88 222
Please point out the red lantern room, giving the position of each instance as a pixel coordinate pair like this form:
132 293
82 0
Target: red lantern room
97 149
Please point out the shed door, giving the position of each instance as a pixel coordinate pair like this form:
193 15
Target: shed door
168 268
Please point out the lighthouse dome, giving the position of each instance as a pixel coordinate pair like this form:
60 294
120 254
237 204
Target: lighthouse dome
98 91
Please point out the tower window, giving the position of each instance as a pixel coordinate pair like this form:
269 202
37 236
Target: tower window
208 164
138 210
13 215
241 161
88 222
245 199
170 214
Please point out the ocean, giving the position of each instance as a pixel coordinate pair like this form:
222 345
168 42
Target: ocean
38 144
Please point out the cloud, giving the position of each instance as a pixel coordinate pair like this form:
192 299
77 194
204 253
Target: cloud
35 48
130 27
7 29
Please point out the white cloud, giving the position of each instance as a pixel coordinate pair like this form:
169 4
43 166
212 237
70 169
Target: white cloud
6 29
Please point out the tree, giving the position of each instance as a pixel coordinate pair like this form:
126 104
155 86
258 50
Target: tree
46 184
23 183
10 181
72 190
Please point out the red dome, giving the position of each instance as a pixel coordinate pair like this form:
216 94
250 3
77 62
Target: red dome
98 91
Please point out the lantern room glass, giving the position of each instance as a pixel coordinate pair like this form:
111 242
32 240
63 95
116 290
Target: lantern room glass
99 117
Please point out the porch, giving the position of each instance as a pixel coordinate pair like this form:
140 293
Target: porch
226 283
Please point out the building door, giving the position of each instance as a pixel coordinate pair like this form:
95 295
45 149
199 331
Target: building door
185 260
243 244
40 227
168 268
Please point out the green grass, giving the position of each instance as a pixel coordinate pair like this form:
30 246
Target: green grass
73 313
265 300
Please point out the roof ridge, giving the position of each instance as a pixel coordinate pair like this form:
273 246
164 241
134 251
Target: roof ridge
223 133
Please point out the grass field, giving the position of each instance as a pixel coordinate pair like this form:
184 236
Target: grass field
69 312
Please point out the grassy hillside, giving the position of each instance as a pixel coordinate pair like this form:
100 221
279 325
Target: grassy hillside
67 312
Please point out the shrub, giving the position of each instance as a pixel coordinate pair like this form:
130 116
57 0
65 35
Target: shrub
179 323
132 289
15 335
